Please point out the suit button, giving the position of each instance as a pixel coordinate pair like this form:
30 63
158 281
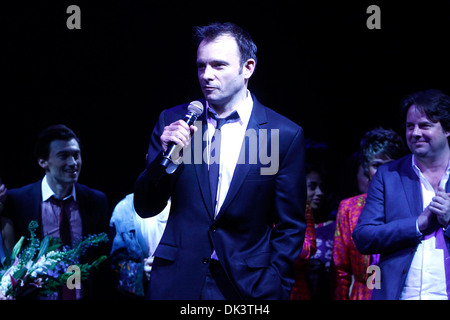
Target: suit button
404 271
205 260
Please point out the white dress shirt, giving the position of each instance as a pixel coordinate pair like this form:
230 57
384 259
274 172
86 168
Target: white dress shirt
232 136
429 275
50 214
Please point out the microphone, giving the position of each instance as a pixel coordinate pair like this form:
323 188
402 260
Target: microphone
195 109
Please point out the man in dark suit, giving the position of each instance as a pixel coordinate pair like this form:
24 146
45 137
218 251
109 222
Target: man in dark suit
407 210
63 208
235 234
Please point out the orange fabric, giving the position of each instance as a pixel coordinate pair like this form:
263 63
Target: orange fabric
300 289
346 258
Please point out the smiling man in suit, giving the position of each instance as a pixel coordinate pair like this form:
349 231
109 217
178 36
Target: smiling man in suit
235 233
407 211
63 208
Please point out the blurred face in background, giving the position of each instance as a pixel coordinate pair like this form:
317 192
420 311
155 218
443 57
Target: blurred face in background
375 162
315 194
362 180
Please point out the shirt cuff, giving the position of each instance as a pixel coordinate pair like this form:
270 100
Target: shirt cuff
418 233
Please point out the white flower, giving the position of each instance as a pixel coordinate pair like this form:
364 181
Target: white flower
5 283
44 263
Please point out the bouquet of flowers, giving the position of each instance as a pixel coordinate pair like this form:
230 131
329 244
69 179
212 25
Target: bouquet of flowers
43 266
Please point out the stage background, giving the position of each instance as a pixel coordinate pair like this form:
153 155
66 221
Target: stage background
319 65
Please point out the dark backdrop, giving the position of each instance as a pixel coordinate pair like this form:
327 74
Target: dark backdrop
318 64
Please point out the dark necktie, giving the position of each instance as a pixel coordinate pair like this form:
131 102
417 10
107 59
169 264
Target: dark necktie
64 219
64 234
215 152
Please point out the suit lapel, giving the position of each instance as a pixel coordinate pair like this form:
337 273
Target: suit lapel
411 185
257 118
34 201
84 209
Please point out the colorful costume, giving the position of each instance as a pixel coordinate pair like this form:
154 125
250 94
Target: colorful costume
348 262
300 290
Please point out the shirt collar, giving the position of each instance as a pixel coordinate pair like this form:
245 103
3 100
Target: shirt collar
419 172
414 166
47 192
244 109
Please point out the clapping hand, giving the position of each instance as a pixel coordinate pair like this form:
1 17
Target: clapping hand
148 262
440 206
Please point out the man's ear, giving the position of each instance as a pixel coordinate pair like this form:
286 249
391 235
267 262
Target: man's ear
43 163
249 68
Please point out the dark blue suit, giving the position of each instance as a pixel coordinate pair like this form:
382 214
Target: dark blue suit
23 205
387 224
257 257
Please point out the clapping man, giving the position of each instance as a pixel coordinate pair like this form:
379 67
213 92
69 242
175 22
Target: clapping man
407 210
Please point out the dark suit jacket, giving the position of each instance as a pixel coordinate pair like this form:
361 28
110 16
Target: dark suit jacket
387 224
23 205
259 230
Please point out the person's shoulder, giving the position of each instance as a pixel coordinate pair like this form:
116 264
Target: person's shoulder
124 209
277 119
84 190
358 200
396 165
272 114
126 203
24 190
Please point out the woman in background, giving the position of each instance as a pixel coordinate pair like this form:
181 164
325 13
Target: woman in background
377 147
